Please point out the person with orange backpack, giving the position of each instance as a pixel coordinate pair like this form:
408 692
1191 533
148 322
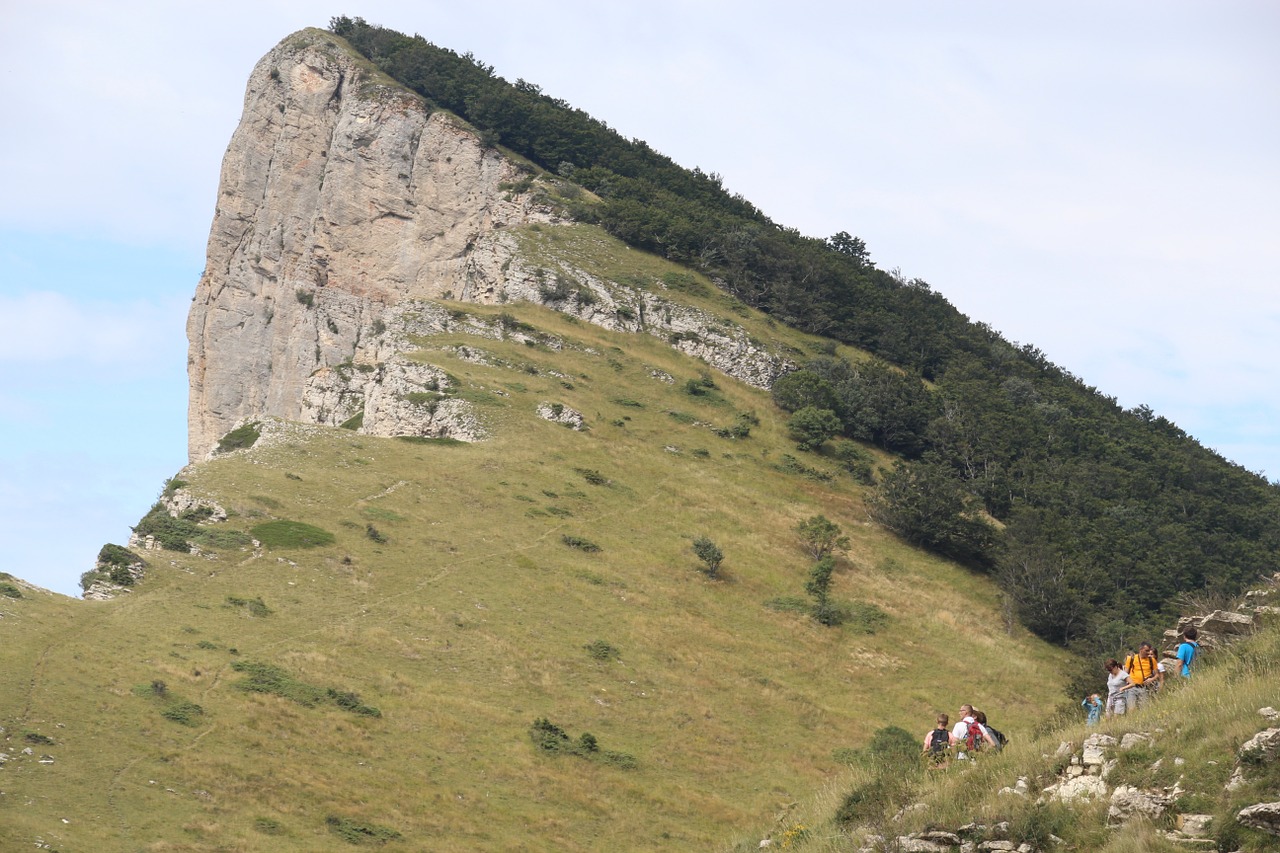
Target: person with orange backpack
1146 672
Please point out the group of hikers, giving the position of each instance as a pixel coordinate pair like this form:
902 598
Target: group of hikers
970 736
1129 685
1135 682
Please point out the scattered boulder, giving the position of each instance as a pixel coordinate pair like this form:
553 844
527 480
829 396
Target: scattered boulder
1269 712
1132 739
1194 825
1095 747
1225 622
181 503
1128 802
1263 816
1086 788
1263 747
950 839
562 414
916 844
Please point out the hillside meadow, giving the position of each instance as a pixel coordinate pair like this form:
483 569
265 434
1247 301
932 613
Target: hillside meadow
384 688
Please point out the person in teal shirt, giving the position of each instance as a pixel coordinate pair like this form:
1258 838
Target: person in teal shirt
1093 704
1187 650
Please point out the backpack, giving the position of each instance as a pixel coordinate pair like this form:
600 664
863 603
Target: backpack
1141 670
1001 740
939 740
975 740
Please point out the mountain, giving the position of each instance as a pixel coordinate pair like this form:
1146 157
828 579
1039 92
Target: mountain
503 530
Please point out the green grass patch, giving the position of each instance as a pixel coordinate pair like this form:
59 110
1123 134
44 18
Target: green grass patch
291 534
426 439
183 713
602 651
277 681
580 543
253 606
359 832
240 438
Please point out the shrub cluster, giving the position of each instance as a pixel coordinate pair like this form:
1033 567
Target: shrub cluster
548 737
291 534
241 437
266 678
357 832
255 606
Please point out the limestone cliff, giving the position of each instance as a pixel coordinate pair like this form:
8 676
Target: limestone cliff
346 202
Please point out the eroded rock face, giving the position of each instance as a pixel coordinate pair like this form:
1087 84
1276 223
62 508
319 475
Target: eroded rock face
341 195
1263 816
345 206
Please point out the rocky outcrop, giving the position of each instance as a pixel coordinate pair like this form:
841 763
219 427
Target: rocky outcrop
345 203
398 397
1263 816
341 195
561 414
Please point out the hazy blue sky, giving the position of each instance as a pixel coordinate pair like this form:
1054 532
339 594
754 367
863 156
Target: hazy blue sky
1098 179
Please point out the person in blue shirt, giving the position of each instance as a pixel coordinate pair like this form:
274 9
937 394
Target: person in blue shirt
1187 650
1093 704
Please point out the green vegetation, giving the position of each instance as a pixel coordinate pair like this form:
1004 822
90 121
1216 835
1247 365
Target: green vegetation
267 678
455 631
548 737
457 624
243 436
1196 730
253 606
710 555
810 427
183 713
179 534
602 651
360 832
585 545
821 537
8 590
1135 508
291 534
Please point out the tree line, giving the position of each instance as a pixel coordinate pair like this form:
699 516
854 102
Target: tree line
1092 517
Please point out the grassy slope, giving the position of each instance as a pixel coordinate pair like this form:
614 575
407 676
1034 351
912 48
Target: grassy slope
471 620
1197 727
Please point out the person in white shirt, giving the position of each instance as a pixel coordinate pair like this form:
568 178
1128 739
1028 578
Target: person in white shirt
960 731
1118 683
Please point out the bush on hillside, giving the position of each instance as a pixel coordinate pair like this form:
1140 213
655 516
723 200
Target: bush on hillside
359 832
291 534
241 437
710 555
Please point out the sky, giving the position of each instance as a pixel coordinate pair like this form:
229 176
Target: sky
1098 179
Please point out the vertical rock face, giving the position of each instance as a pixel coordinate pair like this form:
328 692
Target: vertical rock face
345 206
341 195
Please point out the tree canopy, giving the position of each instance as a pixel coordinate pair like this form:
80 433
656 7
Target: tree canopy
1107 513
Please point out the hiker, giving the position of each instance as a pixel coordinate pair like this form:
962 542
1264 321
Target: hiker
960 731
1187 650
981 735
1118 683
937 743
1093 705
1146 672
